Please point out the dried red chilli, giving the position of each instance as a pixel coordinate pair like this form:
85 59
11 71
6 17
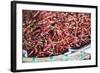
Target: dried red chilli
49 33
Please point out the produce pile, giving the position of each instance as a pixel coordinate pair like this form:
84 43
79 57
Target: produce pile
52 33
